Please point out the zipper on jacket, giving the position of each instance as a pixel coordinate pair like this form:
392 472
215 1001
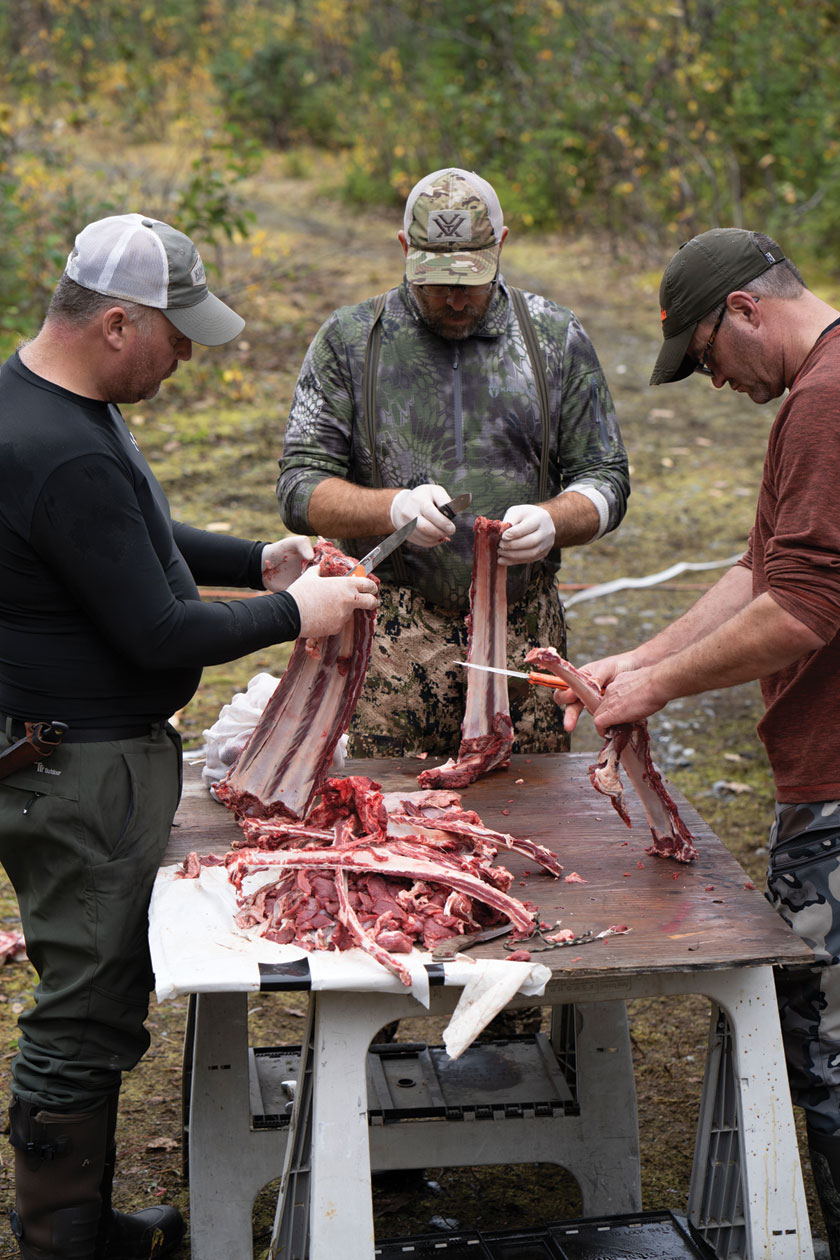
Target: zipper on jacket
458 418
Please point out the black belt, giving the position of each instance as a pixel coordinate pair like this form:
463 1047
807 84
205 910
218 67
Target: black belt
16 728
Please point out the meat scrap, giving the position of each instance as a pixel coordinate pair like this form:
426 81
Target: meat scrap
12 947
629 744
486 731
289 753
356 874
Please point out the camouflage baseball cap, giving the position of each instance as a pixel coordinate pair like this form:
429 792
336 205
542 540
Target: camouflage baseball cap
453 223
701 275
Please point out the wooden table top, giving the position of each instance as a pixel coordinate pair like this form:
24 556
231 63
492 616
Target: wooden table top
704 914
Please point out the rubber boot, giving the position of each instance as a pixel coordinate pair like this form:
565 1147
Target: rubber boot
824 1150
59 1163
152 1232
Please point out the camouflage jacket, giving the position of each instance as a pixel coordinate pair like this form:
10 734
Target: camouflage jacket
464 414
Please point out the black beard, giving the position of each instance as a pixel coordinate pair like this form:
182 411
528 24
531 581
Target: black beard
439 320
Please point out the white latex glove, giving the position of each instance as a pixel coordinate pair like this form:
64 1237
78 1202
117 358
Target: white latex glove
283 561
530 537
325 603
432 526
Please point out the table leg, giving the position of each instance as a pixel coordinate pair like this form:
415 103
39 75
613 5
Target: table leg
345 1024
601 1145
228 1162
747 1197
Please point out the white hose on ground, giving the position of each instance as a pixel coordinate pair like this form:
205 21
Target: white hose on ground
652 579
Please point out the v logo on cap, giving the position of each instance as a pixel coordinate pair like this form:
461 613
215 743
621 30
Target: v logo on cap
445 225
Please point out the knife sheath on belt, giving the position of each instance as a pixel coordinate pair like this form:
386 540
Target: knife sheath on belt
40 741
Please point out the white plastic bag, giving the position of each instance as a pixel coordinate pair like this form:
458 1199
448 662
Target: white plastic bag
234 726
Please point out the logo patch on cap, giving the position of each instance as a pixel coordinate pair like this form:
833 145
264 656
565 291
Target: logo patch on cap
449 225
197 272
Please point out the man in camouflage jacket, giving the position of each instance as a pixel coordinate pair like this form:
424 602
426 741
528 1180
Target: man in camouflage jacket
456 407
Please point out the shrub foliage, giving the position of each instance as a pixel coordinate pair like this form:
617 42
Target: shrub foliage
654 118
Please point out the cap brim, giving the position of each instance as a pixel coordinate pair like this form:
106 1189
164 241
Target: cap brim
467 266
672 362
210 322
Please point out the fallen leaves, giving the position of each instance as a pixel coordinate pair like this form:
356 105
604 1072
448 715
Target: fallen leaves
162 1144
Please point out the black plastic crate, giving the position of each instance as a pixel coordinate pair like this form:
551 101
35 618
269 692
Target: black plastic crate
641 1236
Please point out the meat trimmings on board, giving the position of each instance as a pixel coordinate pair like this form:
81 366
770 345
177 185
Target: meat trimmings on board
379 873
384 873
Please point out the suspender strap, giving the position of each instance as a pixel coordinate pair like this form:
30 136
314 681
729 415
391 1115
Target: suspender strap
532 345
369 382
535 354
371 365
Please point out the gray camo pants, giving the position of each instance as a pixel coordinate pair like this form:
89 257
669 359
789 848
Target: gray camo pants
803 882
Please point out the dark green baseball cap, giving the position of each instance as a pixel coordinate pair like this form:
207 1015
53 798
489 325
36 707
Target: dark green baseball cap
702 273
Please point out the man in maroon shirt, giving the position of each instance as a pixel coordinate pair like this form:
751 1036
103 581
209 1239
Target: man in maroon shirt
734 309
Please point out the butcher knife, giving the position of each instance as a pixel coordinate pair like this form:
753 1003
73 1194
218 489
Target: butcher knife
389 544
453 945
540 680
383 549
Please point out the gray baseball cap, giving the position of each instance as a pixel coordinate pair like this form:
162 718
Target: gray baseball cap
702 273
139 259
453 223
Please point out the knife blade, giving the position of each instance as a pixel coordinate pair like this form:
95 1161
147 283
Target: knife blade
457 504
539 680
383 549
453 945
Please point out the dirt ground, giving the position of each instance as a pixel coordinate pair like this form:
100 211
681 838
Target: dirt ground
213 437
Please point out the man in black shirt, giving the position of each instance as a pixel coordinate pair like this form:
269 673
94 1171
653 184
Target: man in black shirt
102 628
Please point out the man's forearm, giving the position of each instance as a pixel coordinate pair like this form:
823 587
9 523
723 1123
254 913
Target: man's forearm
339 509
718 606
575 518
759 640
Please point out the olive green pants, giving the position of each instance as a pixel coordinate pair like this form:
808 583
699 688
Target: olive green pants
82 835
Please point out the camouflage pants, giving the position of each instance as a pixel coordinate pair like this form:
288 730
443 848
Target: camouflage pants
413 698
803 881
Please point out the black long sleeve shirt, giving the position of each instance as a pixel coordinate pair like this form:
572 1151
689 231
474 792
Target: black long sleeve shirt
101 623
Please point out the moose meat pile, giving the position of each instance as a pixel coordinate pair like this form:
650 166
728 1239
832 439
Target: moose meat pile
628 744
486 731
379 872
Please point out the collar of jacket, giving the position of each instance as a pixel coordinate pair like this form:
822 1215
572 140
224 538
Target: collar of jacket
495 322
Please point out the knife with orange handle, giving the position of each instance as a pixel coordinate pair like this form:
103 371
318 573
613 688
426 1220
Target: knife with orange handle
538 680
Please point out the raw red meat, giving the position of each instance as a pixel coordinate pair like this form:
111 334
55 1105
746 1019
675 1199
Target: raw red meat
291 749
414 810
486 731
630 745
354 874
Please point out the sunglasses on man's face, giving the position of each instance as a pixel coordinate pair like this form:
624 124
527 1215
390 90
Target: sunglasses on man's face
702 364
445 290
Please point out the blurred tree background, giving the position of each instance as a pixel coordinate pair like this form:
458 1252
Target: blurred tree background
645 119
